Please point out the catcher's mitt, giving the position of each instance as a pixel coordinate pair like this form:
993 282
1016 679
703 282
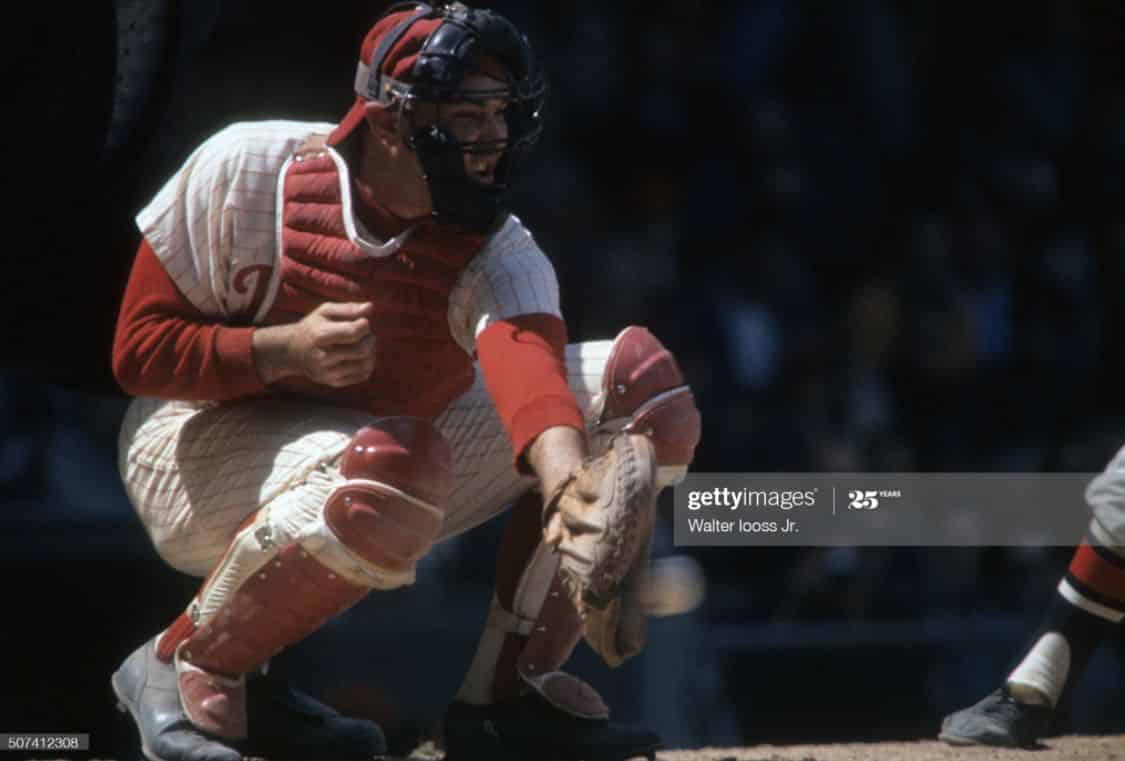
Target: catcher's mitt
601 520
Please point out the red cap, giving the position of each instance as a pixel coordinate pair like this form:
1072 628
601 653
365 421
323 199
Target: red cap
397 63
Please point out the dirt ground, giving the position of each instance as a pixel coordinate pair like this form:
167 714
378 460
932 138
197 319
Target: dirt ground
1074 747
1080 748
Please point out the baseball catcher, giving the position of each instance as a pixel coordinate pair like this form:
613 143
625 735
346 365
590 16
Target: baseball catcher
344 349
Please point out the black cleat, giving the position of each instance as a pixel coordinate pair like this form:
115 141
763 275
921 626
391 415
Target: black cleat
531 729
286 724
999 720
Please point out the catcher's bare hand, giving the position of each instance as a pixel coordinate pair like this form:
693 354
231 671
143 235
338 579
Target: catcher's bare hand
333 345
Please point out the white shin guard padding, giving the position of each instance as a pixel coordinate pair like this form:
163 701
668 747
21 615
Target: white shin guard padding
296 518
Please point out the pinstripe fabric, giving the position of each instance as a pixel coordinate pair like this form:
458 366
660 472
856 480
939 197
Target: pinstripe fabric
218 215
195 471
511 276
218 212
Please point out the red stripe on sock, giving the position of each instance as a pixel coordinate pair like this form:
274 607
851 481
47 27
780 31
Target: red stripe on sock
1101 576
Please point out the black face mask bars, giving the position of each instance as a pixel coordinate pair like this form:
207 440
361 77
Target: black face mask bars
453 51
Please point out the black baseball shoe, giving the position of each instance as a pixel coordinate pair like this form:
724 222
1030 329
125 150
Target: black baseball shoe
531 729
286 724
146 687
999 720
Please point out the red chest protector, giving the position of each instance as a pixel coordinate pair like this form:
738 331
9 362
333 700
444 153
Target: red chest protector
419 368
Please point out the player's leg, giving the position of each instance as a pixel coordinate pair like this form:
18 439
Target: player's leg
195 472
515 680
1089 603
310 544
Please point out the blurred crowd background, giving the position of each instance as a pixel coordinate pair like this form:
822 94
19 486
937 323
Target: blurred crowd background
879 236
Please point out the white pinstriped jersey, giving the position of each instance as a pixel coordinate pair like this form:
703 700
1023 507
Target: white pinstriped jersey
195 471
219 215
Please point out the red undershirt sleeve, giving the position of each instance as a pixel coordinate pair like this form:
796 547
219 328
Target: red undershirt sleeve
522 361
165 347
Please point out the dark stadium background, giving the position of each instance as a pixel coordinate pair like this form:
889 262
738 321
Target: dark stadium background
879 236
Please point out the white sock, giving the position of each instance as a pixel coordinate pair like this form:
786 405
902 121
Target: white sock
1044 669
477 687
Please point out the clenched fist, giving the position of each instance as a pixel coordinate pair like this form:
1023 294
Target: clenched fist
333 345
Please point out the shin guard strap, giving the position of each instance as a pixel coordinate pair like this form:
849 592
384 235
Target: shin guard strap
556 634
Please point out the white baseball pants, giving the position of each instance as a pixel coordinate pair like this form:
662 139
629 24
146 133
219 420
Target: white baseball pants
195 471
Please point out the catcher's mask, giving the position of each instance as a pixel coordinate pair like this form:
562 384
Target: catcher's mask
457 41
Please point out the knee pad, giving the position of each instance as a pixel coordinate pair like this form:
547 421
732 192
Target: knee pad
390 507
643 391
272 589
